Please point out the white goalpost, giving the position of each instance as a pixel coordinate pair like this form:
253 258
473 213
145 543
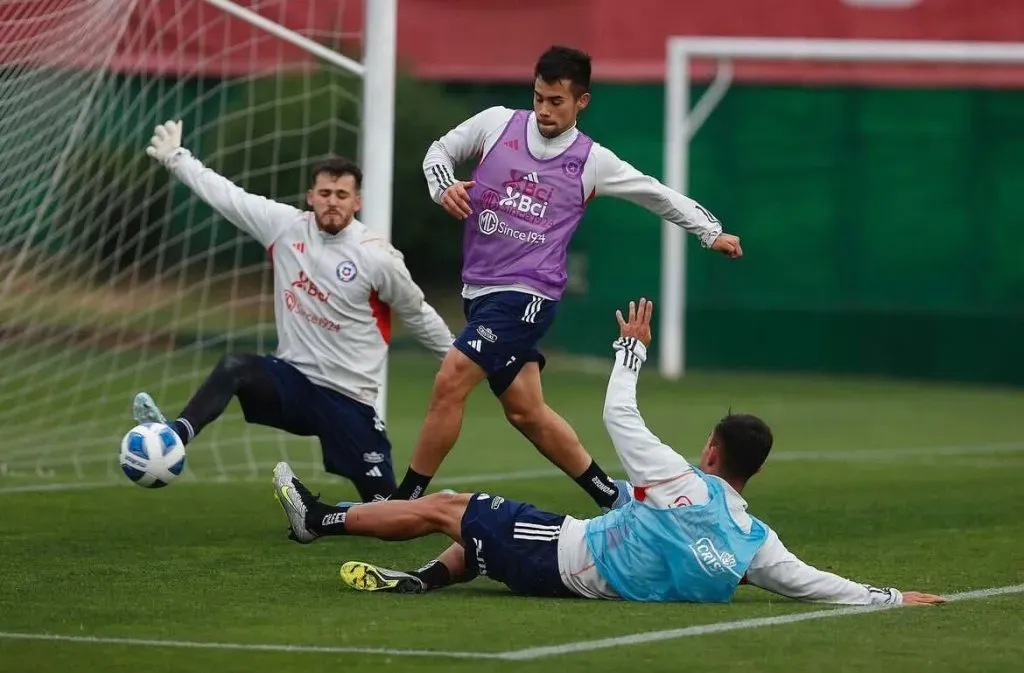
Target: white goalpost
114 279
378 107
682 123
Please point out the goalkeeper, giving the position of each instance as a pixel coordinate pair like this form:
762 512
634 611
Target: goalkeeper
335 285
686 536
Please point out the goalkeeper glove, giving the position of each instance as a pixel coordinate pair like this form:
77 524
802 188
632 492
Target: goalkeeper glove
166 141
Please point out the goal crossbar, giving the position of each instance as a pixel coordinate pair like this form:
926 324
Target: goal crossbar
290 36
682 123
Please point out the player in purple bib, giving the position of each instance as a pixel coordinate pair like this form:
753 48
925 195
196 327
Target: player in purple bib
526 197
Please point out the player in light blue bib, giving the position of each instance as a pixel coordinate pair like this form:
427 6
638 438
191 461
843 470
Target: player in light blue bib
696 553
684 536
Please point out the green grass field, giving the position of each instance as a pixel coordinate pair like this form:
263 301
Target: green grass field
912 485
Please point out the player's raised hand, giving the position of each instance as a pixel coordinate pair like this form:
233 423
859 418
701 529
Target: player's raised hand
918 598
728 245
165 141
455 200
638 324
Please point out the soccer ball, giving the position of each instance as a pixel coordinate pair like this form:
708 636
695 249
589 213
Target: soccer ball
152 455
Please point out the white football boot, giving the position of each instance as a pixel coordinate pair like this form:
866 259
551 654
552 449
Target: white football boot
294 498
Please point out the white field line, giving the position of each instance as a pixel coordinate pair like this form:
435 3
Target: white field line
251 647
512 655
740 624
851 456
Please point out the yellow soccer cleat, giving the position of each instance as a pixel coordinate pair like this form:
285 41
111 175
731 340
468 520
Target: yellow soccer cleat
368 577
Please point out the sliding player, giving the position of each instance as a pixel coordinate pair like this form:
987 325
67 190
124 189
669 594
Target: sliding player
686 536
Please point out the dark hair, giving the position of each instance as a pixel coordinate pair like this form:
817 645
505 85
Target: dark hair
337 167
559 63
744 442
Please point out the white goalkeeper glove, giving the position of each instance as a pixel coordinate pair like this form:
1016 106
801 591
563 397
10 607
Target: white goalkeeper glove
166 141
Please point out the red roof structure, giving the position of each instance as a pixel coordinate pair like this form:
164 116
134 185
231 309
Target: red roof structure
490 40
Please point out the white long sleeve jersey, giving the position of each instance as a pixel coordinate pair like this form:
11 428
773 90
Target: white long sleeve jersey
604 174
663 478
333 294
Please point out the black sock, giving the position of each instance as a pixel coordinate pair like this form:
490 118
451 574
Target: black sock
413 486
183 428
379 486
326 519
598 485
239 374
434 575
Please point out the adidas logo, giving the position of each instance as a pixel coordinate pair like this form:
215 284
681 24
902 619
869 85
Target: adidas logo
532 177
299 246
476 344
374 472
512 144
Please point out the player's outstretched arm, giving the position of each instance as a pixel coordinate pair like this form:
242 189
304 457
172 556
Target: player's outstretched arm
778 570
615 177
466 140
397 289
646 459
257 216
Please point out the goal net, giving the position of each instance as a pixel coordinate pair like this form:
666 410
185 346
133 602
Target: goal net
871 183
114 280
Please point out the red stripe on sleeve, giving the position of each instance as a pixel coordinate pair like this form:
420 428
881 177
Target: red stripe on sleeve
382 314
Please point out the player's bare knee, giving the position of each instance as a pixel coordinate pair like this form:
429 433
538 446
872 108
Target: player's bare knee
446 390
523 401
526 418
445 500
445 510
453 383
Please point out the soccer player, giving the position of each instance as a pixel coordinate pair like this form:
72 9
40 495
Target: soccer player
335 285
686 536
535 175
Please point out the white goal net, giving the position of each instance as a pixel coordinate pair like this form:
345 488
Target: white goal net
113 279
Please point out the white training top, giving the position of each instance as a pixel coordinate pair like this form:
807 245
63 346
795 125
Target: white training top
604 174
333 294
663 478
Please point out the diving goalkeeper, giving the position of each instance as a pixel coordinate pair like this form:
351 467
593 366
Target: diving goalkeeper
685 536
336 283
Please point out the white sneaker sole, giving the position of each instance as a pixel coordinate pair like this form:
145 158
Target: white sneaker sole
291 503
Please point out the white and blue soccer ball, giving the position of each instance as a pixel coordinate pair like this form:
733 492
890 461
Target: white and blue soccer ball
152 455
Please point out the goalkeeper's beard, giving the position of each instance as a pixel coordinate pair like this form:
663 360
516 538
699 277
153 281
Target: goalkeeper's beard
332 222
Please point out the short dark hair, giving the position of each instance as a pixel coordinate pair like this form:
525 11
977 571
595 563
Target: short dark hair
558 63
337 167
744 442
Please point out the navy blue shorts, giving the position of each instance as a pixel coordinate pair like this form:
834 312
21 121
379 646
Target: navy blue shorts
354 442
502 332
514 543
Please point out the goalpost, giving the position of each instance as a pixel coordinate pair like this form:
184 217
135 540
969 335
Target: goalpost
682 123
114 279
